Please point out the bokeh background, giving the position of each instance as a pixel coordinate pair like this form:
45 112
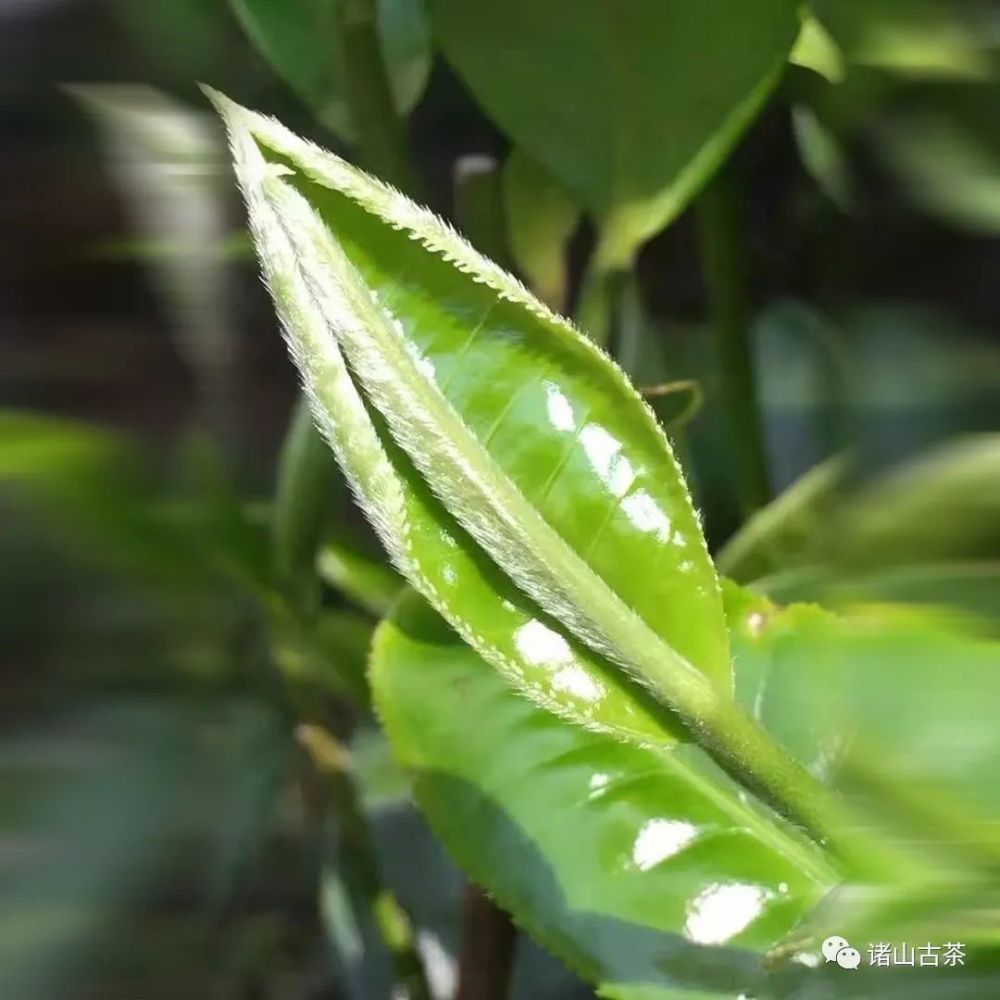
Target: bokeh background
162 832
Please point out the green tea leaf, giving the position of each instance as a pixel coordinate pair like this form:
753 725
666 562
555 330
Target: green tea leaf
533 652
551 463
301 41
631 105
645 870
445 389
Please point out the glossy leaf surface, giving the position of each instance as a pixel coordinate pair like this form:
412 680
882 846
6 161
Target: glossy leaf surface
639 104
645 870
301 41
551 458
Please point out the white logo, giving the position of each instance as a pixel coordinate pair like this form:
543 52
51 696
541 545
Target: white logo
950 955
836 949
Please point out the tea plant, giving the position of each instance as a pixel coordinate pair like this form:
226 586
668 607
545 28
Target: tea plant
605 738
679 773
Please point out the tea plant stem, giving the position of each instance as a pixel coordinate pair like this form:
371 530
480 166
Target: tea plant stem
753 758
488 941
600 299
725 268
379 129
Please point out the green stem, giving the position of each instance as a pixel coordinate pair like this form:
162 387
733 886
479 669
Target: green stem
754 759
380 131
606 279
726 279
600 300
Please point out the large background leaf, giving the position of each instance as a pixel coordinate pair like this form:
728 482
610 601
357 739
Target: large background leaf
914 692
631 104
643 870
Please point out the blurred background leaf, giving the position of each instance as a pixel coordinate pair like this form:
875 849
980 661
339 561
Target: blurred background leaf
627 145
304 42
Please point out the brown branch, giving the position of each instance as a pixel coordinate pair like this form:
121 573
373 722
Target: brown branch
487 957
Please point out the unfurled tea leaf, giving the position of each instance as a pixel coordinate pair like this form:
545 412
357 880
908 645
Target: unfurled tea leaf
645 870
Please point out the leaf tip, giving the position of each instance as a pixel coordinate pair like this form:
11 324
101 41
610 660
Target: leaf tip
235 117
219 101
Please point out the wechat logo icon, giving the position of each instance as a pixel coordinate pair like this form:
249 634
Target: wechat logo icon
836 949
